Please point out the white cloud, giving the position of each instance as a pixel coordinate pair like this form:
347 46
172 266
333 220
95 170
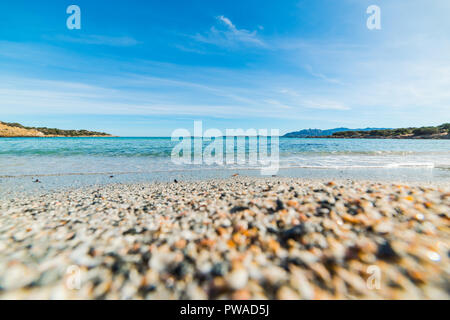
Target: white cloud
226 34
99 40
140 96
309 101
321 76
227 21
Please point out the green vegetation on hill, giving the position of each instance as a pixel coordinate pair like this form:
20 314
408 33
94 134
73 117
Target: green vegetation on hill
443 130
318 132
59 132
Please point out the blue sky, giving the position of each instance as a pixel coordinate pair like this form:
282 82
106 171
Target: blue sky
145 68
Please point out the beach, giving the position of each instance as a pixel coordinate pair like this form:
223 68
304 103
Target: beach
228 238
213 151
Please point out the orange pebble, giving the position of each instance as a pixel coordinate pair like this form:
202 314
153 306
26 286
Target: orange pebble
231 244
180 244
428 205
207 242
303 217
221 231
242 294
292 203
273 245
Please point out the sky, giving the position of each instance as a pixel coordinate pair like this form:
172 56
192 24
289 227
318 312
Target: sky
146 68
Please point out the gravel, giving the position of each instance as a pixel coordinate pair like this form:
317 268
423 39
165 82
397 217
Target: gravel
237 238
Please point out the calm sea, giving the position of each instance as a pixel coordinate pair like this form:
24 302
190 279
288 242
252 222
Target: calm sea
151 157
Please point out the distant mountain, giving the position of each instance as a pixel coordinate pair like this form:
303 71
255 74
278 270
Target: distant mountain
437 132
318 132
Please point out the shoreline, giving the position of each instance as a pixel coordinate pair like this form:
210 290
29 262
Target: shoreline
238 238
25 185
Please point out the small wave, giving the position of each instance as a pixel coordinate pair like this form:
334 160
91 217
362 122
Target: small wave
236 167
411 165
442 166
360 166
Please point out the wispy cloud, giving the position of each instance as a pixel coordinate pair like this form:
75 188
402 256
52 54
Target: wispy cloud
310 101
139 95
226 34
189 49
321 76
123 41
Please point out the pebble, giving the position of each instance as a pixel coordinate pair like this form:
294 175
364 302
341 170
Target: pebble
238 238
237 279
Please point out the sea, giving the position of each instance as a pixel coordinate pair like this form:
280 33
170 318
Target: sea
31 164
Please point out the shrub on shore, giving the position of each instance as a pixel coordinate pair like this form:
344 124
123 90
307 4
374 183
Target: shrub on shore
423 131
58 132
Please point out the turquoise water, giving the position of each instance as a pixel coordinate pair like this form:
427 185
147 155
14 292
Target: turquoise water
80 161
25 156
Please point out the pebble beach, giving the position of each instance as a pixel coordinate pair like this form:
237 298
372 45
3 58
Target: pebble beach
237 238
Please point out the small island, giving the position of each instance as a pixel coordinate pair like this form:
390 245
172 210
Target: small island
437 132
16 130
